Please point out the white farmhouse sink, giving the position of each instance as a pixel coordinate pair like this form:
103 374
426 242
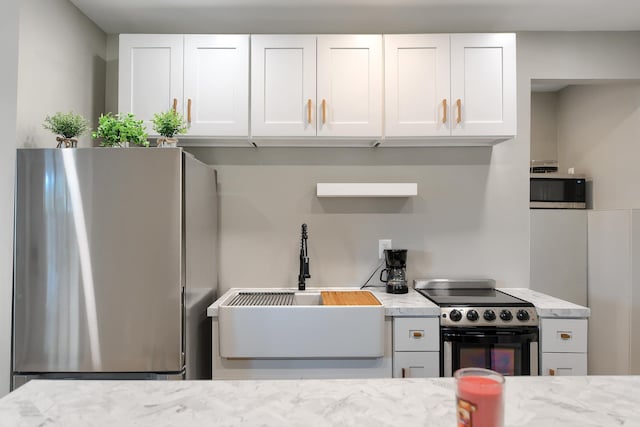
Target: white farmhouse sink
304 328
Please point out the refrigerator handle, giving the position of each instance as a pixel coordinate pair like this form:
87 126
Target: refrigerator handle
184 326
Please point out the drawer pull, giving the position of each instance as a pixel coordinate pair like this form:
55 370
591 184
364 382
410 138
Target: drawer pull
417 334
565 336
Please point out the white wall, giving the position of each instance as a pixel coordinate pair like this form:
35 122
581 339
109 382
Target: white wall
62 68
598 126
544 126
8 77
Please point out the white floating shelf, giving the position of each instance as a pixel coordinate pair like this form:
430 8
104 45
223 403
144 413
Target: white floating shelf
405 189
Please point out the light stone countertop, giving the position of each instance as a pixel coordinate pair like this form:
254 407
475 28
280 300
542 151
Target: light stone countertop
410 304
548 306
530 401
414 304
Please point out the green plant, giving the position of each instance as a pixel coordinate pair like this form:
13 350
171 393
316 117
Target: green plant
69 125
118 129
169 123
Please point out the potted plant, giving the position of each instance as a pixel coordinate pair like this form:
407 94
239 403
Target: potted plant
168 124
68 126
120 131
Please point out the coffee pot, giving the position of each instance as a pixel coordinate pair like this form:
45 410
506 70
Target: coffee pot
396 271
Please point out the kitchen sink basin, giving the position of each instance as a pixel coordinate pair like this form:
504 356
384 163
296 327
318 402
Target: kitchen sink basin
301 324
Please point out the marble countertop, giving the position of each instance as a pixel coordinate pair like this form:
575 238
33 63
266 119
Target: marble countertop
414 304
530 401
548 306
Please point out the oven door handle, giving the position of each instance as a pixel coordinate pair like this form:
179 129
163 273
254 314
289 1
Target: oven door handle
490 337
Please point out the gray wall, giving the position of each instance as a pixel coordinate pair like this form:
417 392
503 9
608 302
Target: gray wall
544 126
455 226
599 128
8 77
62 68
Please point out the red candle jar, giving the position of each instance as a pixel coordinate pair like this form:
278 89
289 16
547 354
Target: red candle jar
479 398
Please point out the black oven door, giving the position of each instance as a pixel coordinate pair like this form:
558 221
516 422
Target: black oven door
510 351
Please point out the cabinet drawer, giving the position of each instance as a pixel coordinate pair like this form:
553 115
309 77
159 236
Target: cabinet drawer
416 364
416 334
563 364
563 335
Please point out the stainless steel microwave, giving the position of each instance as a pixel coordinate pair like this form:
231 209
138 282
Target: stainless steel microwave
557 191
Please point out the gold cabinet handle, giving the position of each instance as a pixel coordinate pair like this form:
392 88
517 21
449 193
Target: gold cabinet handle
324 111
552 372
403 373
459 107
189 110
175 105
309 111
417 334
444 110
565 336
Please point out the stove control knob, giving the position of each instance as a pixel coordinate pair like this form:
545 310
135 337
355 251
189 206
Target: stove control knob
455 315
522 315
472 315
506 315
489 315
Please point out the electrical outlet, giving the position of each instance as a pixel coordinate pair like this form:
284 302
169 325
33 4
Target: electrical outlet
382 245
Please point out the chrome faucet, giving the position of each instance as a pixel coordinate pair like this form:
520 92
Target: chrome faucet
304 259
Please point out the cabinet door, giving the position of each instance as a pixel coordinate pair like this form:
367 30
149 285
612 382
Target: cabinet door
416 364
283 85
417 85
483 84
350 85
563 364
149 74
216 84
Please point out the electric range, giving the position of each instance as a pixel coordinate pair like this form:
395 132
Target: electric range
481 326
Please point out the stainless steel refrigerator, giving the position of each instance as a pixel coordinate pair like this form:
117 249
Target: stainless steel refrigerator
115 264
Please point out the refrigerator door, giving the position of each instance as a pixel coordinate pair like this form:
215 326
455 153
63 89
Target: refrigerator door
98 260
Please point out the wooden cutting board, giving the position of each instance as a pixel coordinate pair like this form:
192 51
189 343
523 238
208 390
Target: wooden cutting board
348 298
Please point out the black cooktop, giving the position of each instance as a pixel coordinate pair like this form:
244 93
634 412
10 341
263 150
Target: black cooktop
472 298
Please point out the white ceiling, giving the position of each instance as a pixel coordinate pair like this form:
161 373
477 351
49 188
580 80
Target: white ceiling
360 16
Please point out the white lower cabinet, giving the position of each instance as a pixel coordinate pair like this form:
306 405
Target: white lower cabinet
416 364
563 345
564 364
416 347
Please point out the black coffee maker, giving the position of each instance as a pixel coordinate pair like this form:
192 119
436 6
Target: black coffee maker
396 277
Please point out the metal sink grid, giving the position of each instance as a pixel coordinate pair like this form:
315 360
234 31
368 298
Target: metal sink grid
262 299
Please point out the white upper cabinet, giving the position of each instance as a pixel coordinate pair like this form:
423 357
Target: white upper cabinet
292 95
216 84
461 85
483 84
350 85
417 85
317 89
150 74
283 85
204 77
